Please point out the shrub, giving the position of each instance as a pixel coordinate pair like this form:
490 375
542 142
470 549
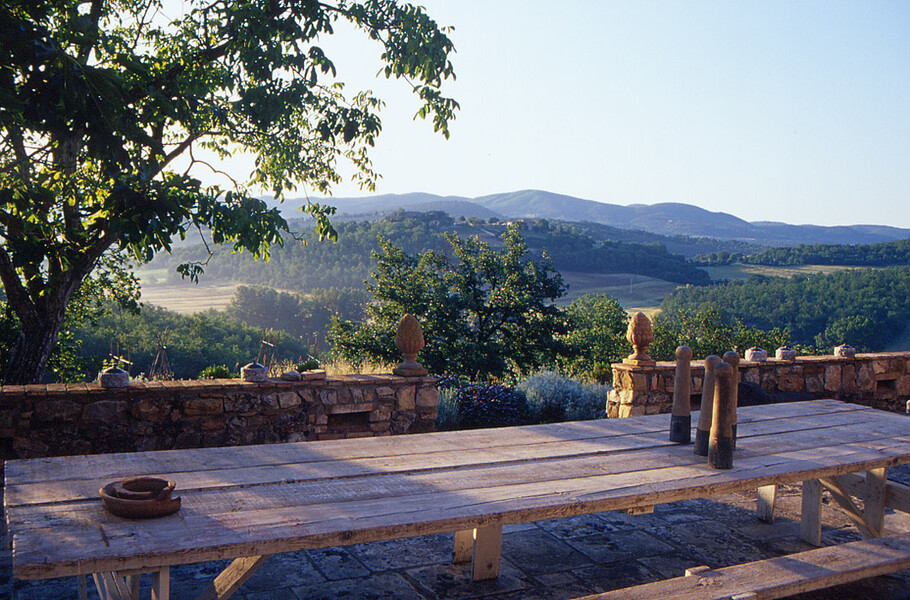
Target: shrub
216 372
307 365
463 406
552 398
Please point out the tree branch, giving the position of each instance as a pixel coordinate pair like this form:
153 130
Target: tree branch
16 293
94 15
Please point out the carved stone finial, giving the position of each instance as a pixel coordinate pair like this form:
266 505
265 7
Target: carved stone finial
639 335
409 340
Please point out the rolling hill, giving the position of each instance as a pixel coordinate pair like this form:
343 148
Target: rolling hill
667 218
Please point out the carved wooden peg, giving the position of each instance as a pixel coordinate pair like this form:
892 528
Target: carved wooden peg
732 359
639 335
720 441
409 340
705 416
681 417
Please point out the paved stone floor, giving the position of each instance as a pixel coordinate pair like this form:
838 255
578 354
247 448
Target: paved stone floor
557 559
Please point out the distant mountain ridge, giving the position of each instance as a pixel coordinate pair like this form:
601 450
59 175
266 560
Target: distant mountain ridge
666 218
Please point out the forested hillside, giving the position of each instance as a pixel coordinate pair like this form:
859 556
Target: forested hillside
885 254
307 264
865 308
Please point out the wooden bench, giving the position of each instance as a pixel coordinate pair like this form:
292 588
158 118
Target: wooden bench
779 577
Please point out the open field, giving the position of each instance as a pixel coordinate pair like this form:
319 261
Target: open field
187 298
743 271
634 292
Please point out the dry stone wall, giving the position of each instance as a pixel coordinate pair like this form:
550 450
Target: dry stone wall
67 419
880 380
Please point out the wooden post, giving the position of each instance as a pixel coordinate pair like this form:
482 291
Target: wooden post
720 441
703 429
732 359
681 417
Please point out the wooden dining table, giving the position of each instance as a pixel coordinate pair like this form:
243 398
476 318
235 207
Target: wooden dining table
248 502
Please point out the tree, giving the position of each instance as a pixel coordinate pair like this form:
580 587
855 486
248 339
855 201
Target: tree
596 336
98 99
484 312
706 333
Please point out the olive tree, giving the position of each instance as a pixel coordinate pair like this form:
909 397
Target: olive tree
98 100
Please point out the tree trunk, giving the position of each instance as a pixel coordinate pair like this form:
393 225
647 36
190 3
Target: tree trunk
29 357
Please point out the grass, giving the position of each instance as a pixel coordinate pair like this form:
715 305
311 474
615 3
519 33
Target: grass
743 271
342 367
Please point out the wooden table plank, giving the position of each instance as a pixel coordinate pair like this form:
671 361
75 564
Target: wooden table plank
272 530
113 466
374 483
314 466
463 482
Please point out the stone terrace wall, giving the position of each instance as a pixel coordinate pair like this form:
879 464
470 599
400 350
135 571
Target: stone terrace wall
66 419
880 380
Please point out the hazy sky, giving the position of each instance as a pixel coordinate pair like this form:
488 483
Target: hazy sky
787 111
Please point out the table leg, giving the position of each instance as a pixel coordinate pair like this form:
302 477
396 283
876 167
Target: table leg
83 588
230 580
161 584
464 546
810 526
487 550
132 585
764 509
874 501
111 586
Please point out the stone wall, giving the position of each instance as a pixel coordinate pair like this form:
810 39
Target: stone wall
67 419
880 380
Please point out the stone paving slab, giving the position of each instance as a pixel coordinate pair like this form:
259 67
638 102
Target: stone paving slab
557 559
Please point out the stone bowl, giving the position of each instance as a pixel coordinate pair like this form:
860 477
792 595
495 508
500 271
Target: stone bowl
254 372
845 351
140 497
114 377
756 355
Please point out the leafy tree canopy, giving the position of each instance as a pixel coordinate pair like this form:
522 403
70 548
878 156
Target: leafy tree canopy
99 98
485 312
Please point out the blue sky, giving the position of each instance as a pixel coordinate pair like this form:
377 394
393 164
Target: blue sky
786 111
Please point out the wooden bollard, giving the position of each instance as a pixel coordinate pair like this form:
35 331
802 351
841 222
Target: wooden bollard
681 417
703 429
720 441
732 359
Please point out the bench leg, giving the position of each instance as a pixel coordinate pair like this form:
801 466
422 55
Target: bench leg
810 526
764 508
83 588
875 498
487 550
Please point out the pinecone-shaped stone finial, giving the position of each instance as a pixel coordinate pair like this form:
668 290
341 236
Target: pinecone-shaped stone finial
409 340
639 335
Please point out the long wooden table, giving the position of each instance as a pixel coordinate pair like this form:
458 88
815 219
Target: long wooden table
249 502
